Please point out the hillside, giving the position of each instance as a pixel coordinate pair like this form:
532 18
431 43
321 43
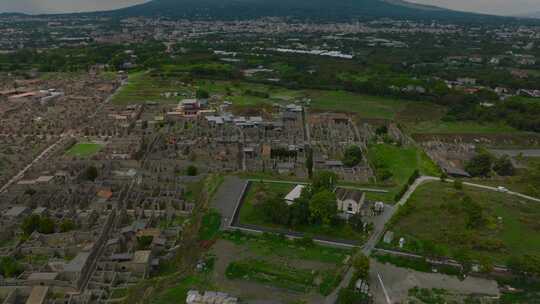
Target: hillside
307 9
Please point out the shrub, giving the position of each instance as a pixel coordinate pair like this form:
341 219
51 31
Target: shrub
192 171
352 156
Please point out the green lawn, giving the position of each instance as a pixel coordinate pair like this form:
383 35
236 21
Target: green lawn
84 150
436 215
401 162
251 214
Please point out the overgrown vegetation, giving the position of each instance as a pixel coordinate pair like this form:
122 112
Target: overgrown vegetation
472 224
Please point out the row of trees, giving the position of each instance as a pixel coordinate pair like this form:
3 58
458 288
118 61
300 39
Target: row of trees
45 225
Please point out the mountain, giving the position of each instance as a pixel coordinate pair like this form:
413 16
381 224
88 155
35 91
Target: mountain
308 9
535 15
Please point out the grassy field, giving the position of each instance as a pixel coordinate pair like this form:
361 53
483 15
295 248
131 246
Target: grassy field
460 127
178 293
365 106
84 150
264 272
401 162
436 216
252 215
276 261
143 87
267 245
239 92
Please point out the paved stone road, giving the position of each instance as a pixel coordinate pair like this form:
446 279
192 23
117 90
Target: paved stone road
227 197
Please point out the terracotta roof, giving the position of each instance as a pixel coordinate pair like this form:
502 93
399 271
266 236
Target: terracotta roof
105 193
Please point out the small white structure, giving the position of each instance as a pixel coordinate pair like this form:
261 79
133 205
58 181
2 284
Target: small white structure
294 194
401 242
362 286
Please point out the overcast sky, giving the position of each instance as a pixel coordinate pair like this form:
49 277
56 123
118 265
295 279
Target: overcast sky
502 7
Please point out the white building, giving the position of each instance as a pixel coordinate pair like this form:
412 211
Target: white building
294 194
350 201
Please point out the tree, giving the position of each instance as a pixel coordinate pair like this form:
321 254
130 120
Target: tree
309 162
444 176
356 222
9 267
464 258
299 211
486 264
202 94
67 225
144 242
458 185
46 225
323 207
480 165
91 173
503 166
475 217
30 224
361 265
275 209
324 180
382 130
352 156
528 264
192 171
532 177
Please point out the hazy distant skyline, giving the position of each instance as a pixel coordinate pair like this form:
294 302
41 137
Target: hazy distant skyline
500 7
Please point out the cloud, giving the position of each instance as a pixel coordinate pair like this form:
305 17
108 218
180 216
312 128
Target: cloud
61 6
499 7
502 7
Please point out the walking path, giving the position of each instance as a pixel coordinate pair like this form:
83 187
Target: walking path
41 156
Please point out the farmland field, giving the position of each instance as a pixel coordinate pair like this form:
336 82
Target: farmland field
270 260
440 220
